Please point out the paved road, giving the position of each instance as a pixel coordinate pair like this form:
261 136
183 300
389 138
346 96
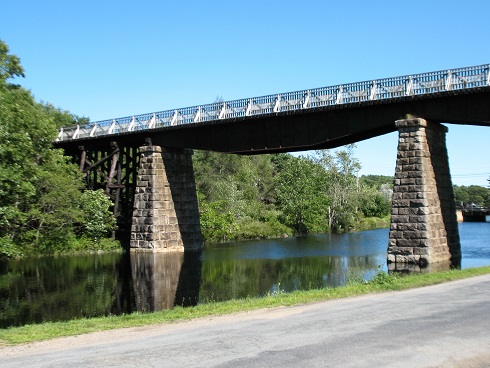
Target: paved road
440 326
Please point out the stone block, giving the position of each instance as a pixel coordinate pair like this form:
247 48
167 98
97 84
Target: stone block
417 203
407 258
400 218
421 251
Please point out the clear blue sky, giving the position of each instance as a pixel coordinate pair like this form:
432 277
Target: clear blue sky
107 59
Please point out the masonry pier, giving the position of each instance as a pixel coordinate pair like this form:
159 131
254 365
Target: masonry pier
424 228
166 214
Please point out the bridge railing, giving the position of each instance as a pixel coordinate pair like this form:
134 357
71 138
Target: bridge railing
418 84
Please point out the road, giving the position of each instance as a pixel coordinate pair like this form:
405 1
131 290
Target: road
440 326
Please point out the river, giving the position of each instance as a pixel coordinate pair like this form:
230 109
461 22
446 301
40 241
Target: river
64 288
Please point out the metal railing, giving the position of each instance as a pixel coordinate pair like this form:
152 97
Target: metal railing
412 85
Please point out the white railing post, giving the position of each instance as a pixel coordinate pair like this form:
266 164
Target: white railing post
222 113
92 132
372 96
306 104
174 118
76 133
111 128
60 135
152 122
408 91
197 118
488 75
248 112
339 96
449 80
277 106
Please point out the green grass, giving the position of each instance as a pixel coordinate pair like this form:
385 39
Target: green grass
382 282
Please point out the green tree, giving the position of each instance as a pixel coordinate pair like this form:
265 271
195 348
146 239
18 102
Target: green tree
376 181
39 188
341 186
9 64
300 194
97 220
373 203
472 194
236 196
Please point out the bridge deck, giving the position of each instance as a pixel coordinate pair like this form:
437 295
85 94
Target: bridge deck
310 119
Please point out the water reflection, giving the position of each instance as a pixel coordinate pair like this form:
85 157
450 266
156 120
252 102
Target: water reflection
414 268
53 289
163 280
155 279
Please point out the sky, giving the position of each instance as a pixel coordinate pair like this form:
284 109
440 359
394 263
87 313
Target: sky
107 59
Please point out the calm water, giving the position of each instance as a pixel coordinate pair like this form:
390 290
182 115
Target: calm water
51 289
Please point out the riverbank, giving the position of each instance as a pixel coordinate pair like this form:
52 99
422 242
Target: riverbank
379 283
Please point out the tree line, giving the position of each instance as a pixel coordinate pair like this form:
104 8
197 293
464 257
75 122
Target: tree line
472 195
249 197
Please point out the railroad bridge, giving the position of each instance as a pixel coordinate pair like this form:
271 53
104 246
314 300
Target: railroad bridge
145 161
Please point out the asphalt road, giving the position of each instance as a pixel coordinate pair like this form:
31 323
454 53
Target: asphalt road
439 326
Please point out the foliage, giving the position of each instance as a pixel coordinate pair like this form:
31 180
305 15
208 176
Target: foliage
382 278
8 249
473 194
341 187
216 225
263 196
9 64
300 195
39 188
376 181
98 220
373 203
236 196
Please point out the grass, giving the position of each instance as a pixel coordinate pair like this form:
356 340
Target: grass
381 282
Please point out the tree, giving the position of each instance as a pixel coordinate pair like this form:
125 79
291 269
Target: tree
39 188
300 194
236 196
473 194
341 186
9 64
376 181
97 218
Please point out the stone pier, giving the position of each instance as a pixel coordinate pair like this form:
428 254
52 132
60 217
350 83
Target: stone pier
166 214
424 228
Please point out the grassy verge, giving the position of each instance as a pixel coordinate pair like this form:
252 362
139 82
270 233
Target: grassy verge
380 283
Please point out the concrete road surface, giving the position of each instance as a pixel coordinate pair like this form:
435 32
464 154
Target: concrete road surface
439 326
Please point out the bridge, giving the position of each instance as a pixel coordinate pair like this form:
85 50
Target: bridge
475 213
144 161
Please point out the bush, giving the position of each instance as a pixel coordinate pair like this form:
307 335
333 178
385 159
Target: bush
8 249
382 278
98 219
85 243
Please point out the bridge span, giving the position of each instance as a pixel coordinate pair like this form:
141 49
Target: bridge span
144 161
